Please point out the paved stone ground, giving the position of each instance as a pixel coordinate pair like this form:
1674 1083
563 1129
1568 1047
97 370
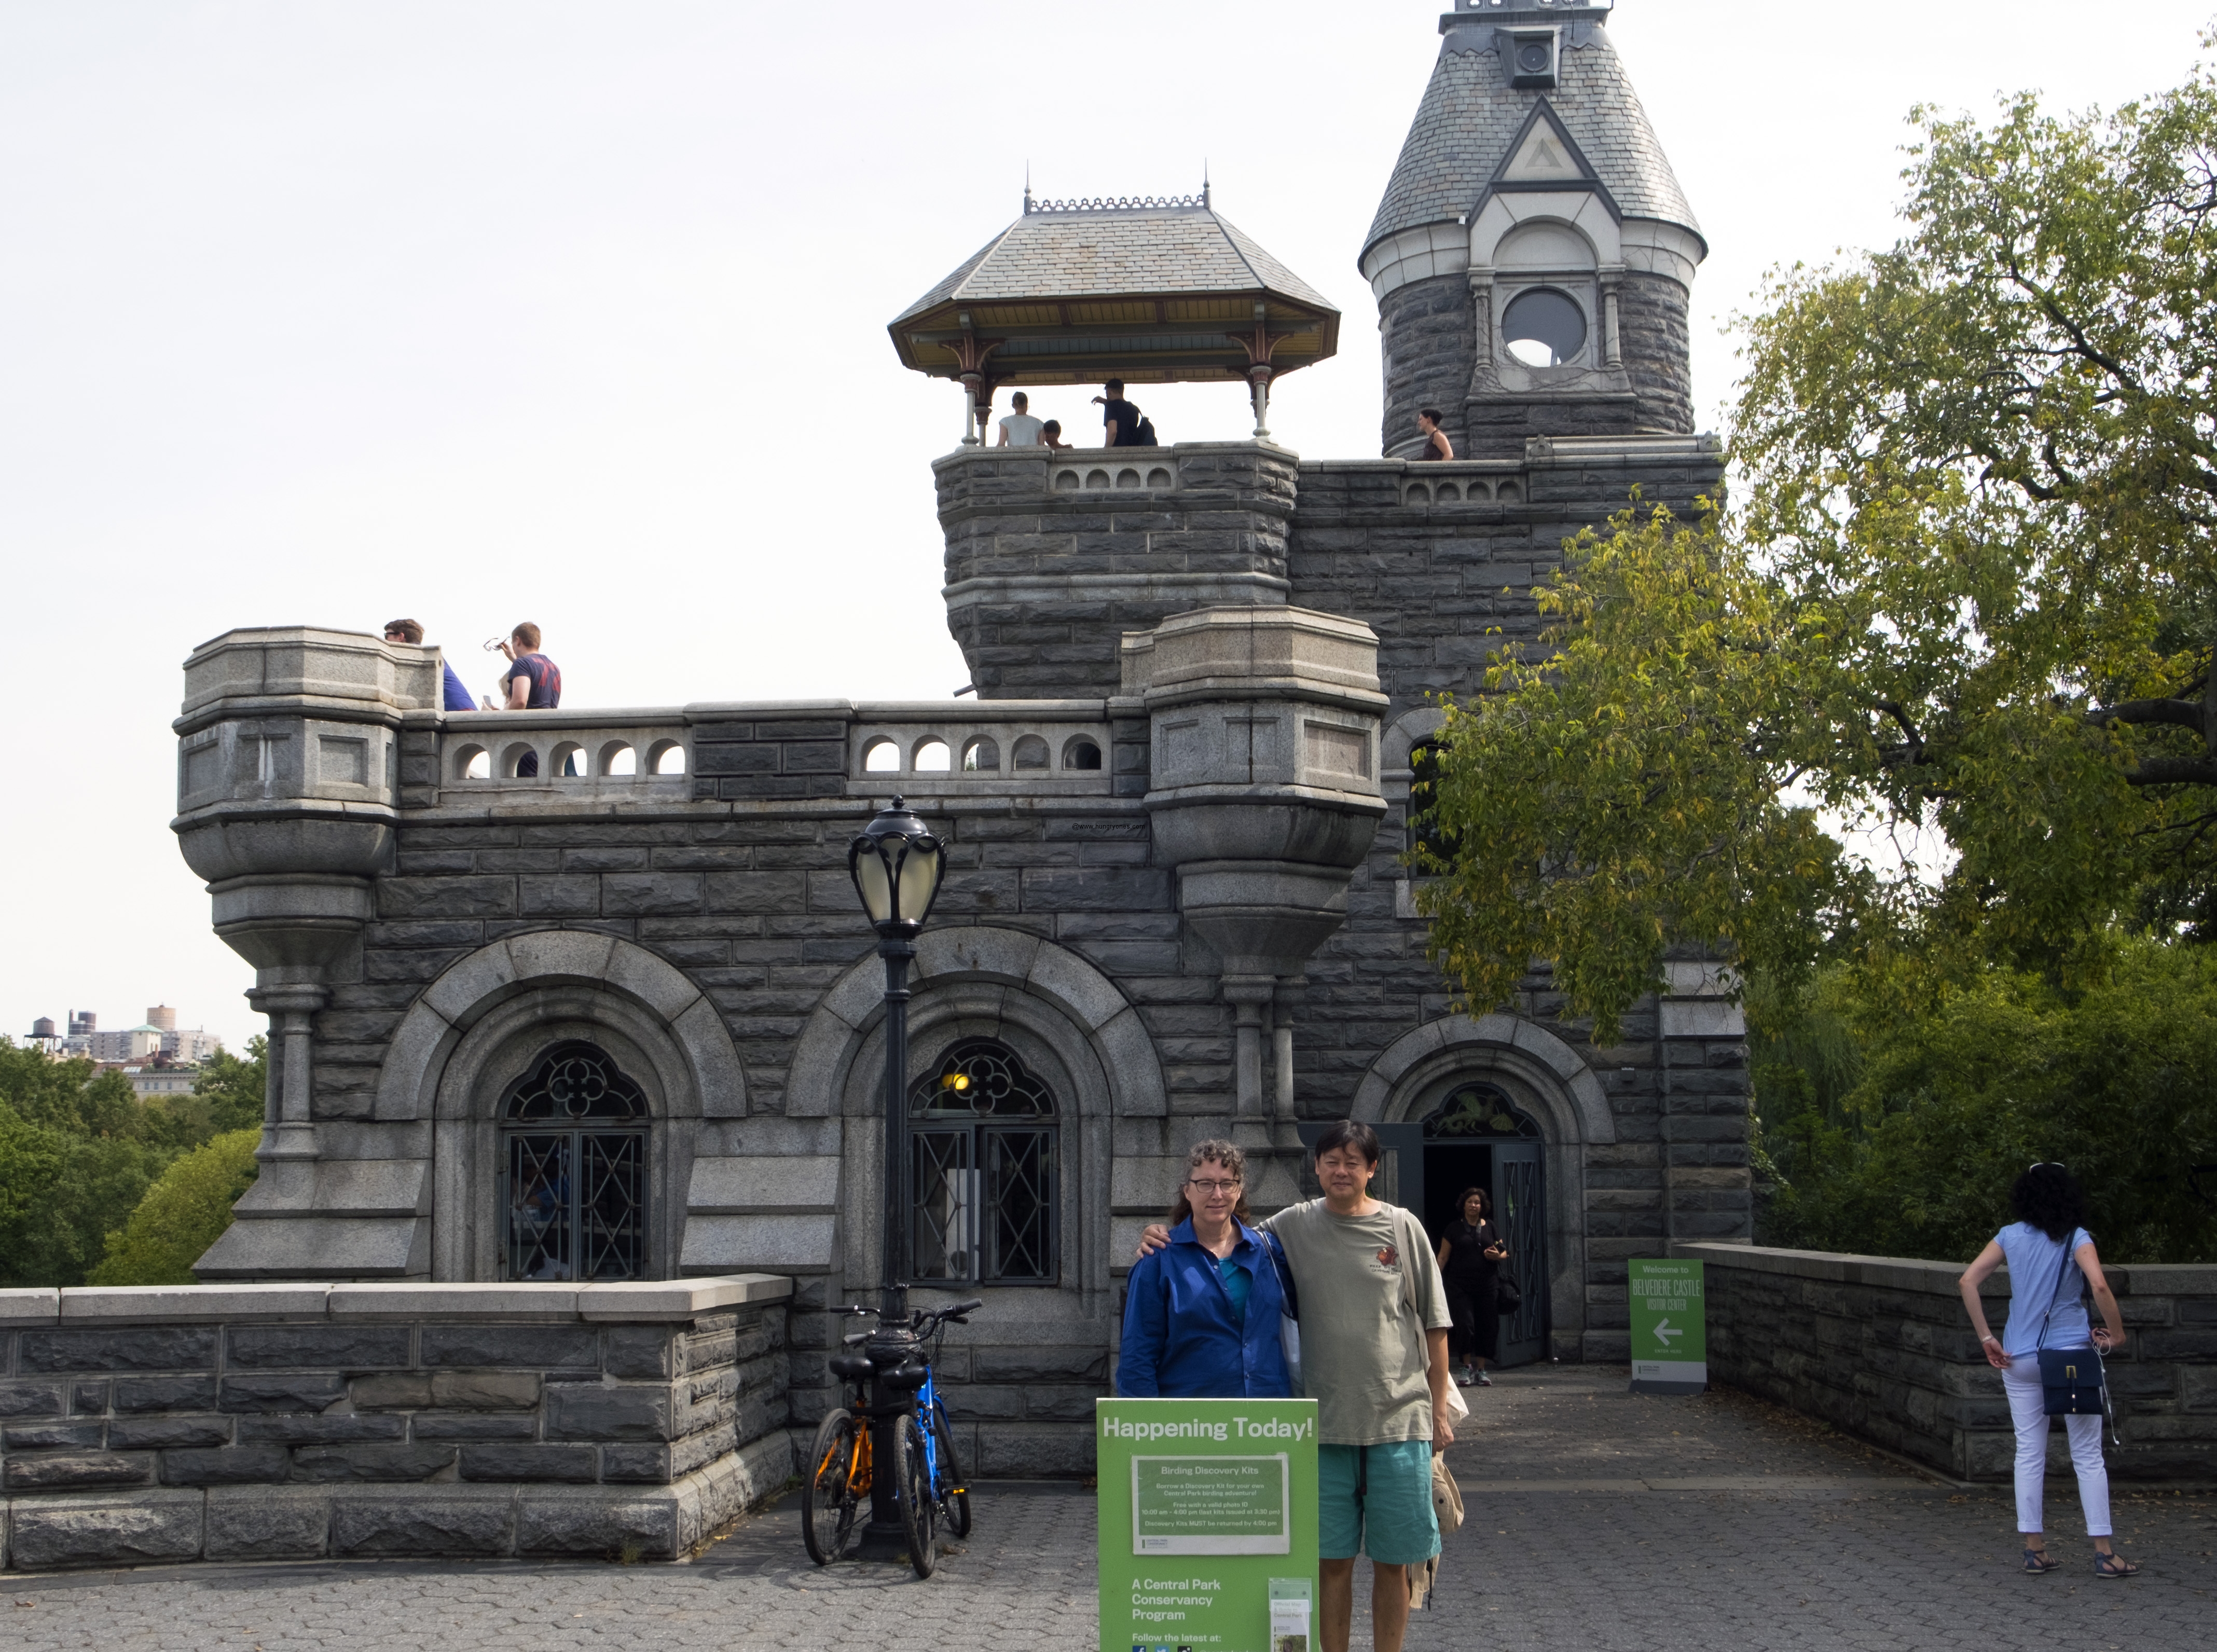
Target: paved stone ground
1598 1520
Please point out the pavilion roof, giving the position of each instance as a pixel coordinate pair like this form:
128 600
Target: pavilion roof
1154 293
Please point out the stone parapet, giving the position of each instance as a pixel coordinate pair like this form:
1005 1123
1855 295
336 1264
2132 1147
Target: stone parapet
1879 1347
299 1420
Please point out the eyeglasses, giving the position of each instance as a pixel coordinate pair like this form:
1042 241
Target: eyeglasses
1206 1188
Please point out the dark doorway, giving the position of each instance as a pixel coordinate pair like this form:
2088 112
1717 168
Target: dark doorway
1477 1138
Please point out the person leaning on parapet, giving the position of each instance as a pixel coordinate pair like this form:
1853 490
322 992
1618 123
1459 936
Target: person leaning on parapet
1020 429
2051 1257
533 683
1119 419
1200 1317
1436 442
1051 434
453 695
1375 1358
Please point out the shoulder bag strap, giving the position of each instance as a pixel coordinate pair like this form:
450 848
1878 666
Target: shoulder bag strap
2062 1267
1291 1296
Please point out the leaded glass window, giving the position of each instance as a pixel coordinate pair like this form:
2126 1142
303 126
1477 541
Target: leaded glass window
573 1169
984 1164
1476 1112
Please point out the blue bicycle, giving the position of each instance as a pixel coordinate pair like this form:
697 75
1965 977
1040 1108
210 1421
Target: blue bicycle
928 1486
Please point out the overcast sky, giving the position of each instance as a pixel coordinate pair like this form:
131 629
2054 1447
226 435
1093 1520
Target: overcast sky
491 310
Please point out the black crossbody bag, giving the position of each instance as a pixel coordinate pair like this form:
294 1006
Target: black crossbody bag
2071 1378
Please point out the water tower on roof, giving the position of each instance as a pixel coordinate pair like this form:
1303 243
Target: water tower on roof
1533 257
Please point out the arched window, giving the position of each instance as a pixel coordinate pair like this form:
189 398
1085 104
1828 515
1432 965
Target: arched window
573 1169
984 1162
1425 832
1477 1112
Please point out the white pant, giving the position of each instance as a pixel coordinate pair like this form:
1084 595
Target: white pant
2029 1409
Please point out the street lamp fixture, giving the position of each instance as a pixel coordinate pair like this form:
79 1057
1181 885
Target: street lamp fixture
897 865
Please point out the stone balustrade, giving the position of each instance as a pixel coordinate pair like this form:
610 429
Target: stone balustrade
292 1421
1879 1347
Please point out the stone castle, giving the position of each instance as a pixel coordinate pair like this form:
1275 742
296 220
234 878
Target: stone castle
614 1012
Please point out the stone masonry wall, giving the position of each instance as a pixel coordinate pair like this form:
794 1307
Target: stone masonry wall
1427 339
295 1421
1653 332
1881 1348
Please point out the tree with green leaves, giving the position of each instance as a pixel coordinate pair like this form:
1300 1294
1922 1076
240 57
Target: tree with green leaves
184 1212
1970 591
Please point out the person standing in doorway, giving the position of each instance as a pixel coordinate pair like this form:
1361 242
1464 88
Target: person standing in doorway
1471 1256
533 682
1375 1326
1020 429
1119 420
453 695
1437 445
2051 1260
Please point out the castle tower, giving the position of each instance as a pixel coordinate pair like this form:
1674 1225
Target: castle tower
1533 257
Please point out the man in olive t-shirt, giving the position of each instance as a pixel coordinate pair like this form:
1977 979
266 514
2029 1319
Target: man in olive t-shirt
1374 1325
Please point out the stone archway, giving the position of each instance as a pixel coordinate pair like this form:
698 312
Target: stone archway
476 1027
1551 1081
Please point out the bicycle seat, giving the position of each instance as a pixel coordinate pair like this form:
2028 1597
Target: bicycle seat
907 1378
850 1368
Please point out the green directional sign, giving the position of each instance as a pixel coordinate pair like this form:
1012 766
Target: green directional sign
1208 1524
1669 1330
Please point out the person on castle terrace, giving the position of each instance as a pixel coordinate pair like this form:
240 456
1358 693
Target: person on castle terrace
1020 429
1051 434
453 695
1437 443
533 682
1374 1324
2053 1268
1200 1317
1119 418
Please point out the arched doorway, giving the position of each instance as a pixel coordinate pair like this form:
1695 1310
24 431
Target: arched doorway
983 1171
573 1171
1478 1137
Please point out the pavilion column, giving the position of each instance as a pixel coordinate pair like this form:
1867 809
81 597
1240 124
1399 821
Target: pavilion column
1258 389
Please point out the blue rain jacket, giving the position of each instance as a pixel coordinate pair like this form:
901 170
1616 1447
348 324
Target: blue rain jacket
1181 1340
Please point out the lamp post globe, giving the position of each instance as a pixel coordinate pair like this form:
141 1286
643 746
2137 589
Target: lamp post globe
896 864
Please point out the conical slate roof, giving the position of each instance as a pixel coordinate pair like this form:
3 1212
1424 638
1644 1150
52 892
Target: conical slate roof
1471 116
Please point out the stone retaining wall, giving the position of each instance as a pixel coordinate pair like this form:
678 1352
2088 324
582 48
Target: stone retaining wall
1881 1348
293 1421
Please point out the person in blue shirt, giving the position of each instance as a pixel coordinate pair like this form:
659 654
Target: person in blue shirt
2051 1258
1201 1316
453 697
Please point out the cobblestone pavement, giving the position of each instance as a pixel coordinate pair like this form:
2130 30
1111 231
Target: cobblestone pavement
1598 1520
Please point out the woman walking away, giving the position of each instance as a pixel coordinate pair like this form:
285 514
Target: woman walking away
2050 1257
1470 1266
1201 1316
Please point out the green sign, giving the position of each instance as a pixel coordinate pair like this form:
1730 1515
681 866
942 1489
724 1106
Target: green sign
1208 1524
1670 1332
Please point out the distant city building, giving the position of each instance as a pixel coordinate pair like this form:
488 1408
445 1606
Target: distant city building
158 1036
165 1080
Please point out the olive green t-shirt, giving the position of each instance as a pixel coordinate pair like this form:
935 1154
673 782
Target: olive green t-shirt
1363 1349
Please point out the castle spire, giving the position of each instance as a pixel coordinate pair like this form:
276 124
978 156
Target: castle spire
1534 256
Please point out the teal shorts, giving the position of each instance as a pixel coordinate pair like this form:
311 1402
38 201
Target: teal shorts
1394 1522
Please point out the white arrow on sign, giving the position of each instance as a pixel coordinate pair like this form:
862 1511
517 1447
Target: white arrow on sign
1664 1332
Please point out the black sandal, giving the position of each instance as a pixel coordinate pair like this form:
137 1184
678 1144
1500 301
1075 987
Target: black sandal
2113 1564
2037 1560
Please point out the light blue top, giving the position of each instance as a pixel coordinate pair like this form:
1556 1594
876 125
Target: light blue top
2037 1265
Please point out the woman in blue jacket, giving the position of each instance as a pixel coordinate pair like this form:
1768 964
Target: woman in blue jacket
1201 1316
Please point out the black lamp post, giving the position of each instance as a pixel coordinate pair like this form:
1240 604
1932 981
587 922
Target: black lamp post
896 866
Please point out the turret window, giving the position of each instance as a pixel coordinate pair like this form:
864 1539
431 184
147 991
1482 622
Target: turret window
1544 328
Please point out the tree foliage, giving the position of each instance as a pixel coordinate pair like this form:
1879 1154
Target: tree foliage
184 1212
79 1150
1970 588
1945 1105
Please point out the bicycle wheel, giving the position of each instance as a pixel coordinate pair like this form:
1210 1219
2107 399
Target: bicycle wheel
919 1515
838 1481
954 1495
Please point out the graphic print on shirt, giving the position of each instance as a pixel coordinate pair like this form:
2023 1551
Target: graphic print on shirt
1389 1259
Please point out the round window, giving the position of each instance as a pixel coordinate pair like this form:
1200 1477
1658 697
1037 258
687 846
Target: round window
1544 328
1532 57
